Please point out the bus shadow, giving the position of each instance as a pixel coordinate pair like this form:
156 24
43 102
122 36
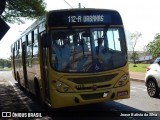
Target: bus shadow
9 99
109 110
100 111
158 97
32 102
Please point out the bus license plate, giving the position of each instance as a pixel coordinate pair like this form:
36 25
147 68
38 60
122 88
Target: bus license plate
122 93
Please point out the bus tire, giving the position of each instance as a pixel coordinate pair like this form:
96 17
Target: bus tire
38 93
37 90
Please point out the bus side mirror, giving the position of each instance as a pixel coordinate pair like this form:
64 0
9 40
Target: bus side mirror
44 40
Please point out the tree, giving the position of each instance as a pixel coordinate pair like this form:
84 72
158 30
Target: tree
5 63
153 46
2 6
134 37
17 10
134 56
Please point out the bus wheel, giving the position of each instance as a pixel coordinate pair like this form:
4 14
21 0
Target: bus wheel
37 90
38 94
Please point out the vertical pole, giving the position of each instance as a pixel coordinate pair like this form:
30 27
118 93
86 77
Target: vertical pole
79 5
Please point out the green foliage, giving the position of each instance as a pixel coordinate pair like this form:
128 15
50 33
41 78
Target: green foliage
154 46
5 63
28 9
138 68
134 56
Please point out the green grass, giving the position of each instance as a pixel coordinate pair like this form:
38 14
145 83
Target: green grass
5 69
139 68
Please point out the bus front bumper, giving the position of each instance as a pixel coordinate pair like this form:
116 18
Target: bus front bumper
59 99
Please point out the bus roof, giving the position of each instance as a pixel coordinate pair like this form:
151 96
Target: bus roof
60 18
81 9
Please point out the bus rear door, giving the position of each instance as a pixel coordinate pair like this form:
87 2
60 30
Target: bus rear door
24 64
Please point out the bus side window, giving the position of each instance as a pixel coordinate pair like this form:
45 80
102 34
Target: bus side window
35 43
29 46
29 50
16 51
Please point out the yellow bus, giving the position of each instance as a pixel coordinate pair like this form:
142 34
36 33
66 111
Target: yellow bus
72 57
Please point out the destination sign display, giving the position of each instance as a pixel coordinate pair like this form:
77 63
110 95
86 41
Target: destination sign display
83 17
87 18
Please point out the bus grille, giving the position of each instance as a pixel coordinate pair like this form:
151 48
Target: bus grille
90 80
82 87
92 96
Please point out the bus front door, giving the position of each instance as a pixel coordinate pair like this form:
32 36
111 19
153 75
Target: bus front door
45 69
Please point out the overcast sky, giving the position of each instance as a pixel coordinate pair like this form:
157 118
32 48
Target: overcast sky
137 15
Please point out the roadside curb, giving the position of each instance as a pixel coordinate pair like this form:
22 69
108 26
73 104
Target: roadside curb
137 80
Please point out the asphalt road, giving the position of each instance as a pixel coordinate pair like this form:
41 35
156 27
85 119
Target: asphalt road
137 107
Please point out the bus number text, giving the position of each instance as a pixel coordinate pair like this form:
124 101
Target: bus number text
73 19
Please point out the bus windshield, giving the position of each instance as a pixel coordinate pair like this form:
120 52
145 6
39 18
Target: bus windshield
88 49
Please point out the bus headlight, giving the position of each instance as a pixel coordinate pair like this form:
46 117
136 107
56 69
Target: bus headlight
61 87
58 84
122 81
